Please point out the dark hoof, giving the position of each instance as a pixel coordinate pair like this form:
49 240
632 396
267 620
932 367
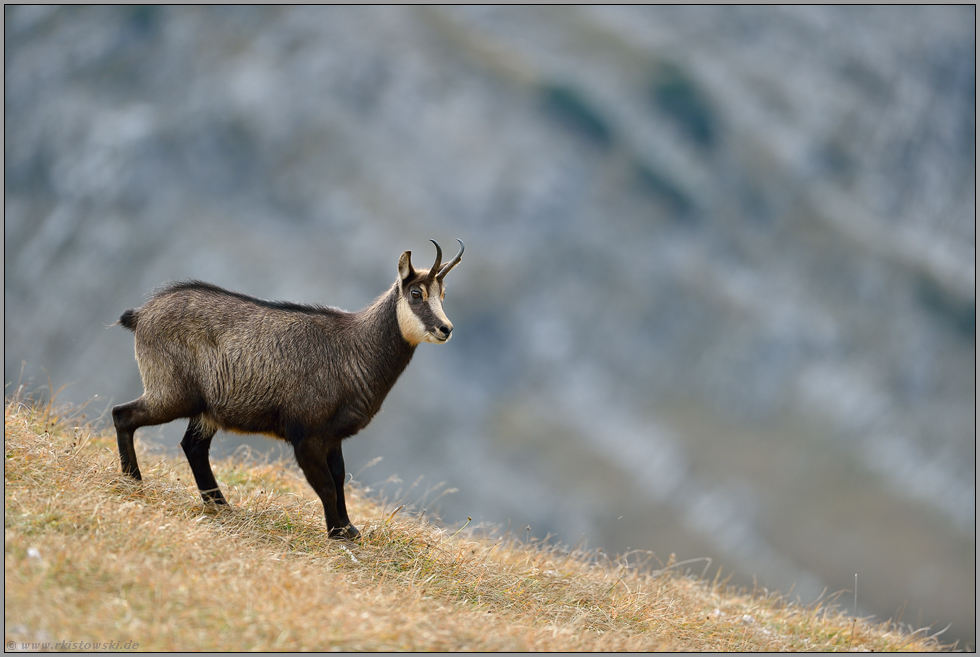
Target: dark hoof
214 498
349 532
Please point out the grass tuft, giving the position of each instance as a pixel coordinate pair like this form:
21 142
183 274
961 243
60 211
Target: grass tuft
91 557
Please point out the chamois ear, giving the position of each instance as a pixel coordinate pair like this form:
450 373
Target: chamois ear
405 269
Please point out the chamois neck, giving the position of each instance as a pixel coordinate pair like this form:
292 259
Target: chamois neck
379 332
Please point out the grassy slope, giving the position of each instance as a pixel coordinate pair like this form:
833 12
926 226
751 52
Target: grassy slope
92 557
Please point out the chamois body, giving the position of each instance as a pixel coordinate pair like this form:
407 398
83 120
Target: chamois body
245 365
310 375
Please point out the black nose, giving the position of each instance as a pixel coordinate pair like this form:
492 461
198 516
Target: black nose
445 330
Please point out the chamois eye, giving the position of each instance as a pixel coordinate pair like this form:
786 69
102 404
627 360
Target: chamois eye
416 294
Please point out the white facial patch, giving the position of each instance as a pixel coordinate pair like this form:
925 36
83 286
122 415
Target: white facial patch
413 330
412 327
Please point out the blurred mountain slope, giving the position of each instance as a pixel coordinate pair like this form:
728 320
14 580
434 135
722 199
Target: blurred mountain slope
720 267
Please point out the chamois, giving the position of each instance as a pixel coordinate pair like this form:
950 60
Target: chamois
309 375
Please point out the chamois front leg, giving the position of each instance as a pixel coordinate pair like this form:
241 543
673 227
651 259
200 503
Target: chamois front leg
315 457
335 462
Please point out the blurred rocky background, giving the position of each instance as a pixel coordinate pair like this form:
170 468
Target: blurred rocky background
718 297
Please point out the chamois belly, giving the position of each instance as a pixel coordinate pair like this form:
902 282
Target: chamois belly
289 419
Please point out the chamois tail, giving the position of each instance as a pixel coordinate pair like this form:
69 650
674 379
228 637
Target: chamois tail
129 318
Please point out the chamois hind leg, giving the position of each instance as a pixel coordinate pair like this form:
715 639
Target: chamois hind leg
128 418
131 416
196 445
312 456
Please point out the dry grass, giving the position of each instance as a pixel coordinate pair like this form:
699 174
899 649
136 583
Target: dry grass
90 557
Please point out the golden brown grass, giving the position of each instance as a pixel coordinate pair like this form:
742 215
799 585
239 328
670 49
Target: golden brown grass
91 557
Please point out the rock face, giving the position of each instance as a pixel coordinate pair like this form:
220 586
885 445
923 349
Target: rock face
718 295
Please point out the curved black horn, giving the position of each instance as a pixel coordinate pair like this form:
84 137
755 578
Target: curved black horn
452 263
435 268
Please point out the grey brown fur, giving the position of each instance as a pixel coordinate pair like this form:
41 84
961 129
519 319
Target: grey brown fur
310 375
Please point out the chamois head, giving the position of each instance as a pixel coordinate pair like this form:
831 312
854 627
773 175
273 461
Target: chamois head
420 314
